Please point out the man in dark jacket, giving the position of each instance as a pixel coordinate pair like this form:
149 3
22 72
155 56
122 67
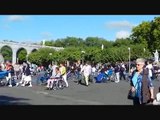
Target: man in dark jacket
26 77
27 74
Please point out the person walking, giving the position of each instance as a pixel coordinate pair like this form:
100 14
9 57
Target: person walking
87 69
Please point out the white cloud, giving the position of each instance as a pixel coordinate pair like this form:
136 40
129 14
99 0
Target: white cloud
46 34
120 24
122 34
14 18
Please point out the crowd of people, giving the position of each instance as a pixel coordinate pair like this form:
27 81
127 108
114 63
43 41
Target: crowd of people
16 72
96 73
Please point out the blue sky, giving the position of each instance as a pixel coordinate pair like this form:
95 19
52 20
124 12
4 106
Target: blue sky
35 28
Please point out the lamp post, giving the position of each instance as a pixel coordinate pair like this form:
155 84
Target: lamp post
144 50
129 57
82 56
50 54
102 47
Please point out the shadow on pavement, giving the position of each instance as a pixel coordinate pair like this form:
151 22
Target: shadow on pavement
6 100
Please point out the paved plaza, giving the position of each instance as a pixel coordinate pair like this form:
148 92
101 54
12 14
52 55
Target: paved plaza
95 94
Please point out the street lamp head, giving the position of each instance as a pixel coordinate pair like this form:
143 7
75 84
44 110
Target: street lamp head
128 48
144 49
83 51
50 53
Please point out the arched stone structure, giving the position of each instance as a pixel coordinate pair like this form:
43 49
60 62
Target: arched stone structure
15 46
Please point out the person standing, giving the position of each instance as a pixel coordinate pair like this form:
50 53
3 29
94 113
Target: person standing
27 73
9 67
141 84
150 68
64 73
117 72
17 70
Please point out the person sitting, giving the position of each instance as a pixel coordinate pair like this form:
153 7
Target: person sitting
53 78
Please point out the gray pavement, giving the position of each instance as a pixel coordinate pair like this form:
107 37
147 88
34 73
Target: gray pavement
95 94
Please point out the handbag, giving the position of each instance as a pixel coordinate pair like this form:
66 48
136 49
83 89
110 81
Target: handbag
131 94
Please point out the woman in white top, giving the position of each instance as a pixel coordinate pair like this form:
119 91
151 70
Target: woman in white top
150 67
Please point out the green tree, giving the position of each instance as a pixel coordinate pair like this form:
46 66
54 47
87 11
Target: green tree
7 53
147 33
59 43
21 55
73 42
49 43
92 41
140 33
122 42
154 42
43 56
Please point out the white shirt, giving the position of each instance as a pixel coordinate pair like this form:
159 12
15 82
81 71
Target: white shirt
149 66
86 69
93 69
54 70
